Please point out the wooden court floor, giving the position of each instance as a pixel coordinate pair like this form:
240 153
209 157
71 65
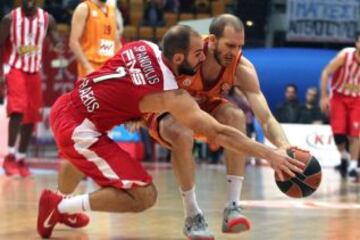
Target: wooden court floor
332 213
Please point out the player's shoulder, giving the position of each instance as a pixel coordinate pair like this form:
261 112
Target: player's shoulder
344 52
347 50
82 7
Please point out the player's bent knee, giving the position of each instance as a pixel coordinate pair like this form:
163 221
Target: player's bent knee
235 118
178 136
144 198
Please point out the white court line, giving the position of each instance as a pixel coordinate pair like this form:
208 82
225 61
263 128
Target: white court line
303 204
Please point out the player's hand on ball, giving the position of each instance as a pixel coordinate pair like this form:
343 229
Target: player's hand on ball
282 163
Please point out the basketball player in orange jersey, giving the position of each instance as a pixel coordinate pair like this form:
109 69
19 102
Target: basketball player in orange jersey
93 36
22 35
223 67
344 105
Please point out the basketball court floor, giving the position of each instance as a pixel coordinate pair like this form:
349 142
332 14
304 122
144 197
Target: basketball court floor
333 212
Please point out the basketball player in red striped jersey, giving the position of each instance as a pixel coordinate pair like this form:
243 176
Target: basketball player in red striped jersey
344 105
22 36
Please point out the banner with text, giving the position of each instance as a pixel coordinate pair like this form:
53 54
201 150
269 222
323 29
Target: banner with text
317 139
322 20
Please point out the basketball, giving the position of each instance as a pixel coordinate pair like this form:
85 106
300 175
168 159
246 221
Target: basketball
304 184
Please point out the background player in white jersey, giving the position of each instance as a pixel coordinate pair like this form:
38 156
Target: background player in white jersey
344 105
22 34
138 79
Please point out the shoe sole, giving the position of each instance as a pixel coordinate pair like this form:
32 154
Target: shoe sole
237 226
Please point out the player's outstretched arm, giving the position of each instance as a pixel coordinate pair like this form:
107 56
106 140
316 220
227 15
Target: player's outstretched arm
184 108
248 82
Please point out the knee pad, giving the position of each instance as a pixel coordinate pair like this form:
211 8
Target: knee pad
341 139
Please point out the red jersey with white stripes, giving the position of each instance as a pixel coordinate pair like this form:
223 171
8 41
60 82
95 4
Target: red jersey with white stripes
27 36
346 79
111 95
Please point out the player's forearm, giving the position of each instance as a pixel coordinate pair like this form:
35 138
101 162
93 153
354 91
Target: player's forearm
323 84
238 142
274 132
79 53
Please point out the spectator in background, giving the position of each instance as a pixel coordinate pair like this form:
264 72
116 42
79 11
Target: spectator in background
153 14
70 6
289 111
5 7
186 5
171 6
123 8
56 8
310 112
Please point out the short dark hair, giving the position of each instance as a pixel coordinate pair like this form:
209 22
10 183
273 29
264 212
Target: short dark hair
177 39
292 85
219 23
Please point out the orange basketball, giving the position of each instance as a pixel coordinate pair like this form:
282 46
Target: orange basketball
304 184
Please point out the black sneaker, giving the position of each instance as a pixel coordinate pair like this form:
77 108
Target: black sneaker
344 165
353 173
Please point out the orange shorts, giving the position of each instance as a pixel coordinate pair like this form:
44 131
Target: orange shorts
152 120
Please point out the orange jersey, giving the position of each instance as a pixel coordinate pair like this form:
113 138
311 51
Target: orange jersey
196 86
98 38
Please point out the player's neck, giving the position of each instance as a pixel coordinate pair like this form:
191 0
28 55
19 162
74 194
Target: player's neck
211 68
171 66
101 5
29 12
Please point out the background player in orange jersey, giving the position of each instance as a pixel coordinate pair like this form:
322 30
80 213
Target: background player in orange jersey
224 66
22 35
344 105
93 36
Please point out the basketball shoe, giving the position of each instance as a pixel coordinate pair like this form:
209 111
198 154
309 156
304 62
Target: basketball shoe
76 220
23 168
196 228
49 216
234 221
10 166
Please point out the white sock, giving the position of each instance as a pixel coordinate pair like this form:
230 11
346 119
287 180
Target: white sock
20 156
11 150
191 206
80 203
63 194
353 164
345 155
234 189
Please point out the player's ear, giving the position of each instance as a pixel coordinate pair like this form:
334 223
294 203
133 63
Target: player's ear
212 40
178 58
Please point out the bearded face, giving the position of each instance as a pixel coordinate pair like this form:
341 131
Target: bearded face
186 69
